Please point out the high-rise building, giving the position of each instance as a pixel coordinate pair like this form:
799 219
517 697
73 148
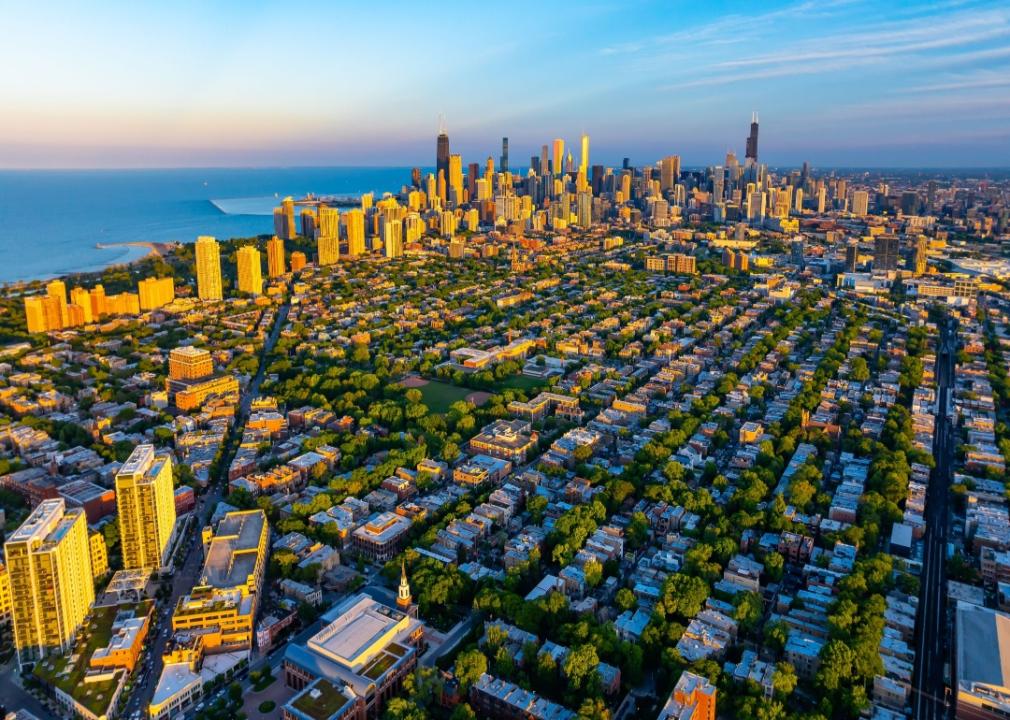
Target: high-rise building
146 506
328 249
909 202
354 220
558 156
284 220
80 297
885 253
35 313
297 261
208 269
860 203
155 292
98 302
442 154
584 157
392 234
504 154
189 363
48 563
456 179
57 290
250 270
329 221
669 172
752 139
584 208
851 256
275 257
921 250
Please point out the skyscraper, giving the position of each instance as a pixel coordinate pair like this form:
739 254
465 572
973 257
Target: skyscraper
752 139
354 220
250 270
860 203
57 290
284 219
851 256
442 154
584 158
146 506
504 154
669 172
921 249
48 562
558 156
885 253
208 268
455 179
392 233
328 235
275 257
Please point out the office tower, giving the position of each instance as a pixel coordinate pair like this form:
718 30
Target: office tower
328 222
756 204
584 208
48 563
415 177
472 176
284 219
208 268
797 248
504 160
558 156
354 221
297 261
669 172
569 163
57 290
851 256
146 505
752 139
584 157
909 203
822 199
860 203
798 205
275 257
718 184
447 223
442 154
885 253
392 234
250 270
456 179
921 249
441 187
155 292
189 363
367 200
309 220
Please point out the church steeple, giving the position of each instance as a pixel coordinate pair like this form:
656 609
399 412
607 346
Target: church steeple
403 597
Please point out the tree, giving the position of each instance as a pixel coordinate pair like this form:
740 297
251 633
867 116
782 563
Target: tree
593 572
593 709
470 665
625 599
774 564
784 678
580 668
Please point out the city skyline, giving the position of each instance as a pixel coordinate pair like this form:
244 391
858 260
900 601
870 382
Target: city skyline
838 83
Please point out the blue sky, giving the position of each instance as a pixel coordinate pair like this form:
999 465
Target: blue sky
836 82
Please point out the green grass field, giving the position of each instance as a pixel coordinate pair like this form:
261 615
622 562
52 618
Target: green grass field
438 396
520 382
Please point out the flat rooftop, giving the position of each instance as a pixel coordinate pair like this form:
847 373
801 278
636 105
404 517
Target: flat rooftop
983 648
234 549
363 628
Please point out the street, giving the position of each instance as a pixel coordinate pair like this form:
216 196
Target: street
931 626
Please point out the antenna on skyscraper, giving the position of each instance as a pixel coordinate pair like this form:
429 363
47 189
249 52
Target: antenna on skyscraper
754 116
441 124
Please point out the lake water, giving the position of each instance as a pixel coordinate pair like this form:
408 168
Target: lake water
50 221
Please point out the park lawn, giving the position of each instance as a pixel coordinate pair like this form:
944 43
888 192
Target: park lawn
520 382
438 396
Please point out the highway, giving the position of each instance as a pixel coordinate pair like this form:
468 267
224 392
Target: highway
931 651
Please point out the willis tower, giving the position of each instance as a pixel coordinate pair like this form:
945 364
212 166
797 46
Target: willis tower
442 154
752 140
